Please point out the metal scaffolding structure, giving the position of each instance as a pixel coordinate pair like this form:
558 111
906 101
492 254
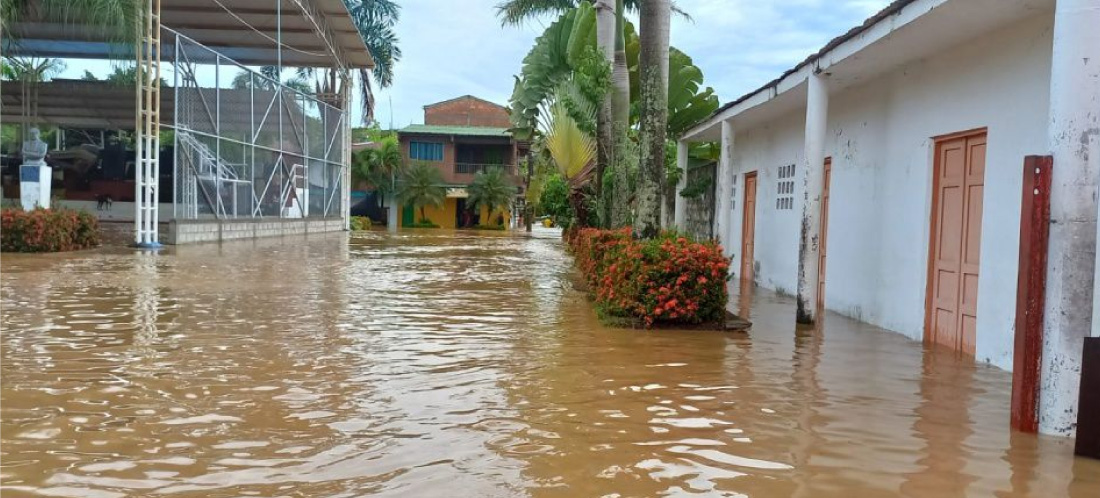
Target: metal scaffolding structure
243 144
248 146
147 126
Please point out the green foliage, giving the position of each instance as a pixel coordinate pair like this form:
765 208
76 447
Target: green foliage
550 62
514 12
492 189
379 166
568 145
360 223
696 187
114 19
554 201
422 185
688 101
32 69
47 230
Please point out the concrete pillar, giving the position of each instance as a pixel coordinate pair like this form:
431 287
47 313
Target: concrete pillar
723 202
1074 123
391 216
813 172
679 216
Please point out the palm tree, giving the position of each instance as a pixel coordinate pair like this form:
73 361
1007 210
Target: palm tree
32 69
379 166
653 114
421 185
375 21
492 189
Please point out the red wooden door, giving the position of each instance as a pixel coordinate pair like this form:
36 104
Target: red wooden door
956 241
748 227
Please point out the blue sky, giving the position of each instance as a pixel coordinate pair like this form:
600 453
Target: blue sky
458 47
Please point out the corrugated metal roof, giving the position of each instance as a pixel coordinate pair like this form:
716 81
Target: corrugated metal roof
243 30
469 131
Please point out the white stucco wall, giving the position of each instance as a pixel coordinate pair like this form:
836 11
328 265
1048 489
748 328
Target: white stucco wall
881 140
764 149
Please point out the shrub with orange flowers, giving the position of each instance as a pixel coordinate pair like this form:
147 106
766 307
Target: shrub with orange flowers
669 279
47 230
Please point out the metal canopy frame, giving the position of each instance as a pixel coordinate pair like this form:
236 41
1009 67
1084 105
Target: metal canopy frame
295 33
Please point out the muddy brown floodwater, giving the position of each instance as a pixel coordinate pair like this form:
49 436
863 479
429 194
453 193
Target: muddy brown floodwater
452 365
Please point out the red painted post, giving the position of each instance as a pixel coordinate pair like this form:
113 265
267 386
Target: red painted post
1030 290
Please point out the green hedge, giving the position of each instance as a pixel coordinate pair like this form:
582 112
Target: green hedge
47 230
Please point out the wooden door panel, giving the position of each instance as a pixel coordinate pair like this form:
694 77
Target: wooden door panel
956 242
822 258
748 227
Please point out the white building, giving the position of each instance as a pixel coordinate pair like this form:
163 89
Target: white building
924 115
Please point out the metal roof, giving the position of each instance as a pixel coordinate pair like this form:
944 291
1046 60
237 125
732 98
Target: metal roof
315 33
469 131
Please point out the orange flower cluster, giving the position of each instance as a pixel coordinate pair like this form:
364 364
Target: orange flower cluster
670 279
47 230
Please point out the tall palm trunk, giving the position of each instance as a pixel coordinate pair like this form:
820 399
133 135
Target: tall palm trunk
620 117
653 115
606 20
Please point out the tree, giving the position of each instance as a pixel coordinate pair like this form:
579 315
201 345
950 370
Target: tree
515 12
652 115
32 69
375 21
379 166
421 185
554 201
491 188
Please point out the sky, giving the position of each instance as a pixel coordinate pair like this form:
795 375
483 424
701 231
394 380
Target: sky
452 48
458 47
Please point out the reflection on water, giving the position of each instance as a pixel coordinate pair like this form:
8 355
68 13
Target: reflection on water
440 364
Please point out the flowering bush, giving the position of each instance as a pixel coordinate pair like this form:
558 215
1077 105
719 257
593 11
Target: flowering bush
47 230
668 279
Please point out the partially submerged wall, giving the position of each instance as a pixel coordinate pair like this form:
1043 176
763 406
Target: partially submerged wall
196 231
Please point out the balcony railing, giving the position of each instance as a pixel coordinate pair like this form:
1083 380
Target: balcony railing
475 168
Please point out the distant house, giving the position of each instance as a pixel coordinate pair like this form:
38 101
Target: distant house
462 137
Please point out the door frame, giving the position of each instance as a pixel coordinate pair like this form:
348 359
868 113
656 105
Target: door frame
744 216
933 225
822 257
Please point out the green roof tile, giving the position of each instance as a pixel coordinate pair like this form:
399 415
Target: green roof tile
479 131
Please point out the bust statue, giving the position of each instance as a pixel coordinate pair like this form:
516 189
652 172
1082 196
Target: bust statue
34 150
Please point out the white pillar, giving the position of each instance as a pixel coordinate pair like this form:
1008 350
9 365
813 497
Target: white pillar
813 171
679 216
391 216
1074 122
723 203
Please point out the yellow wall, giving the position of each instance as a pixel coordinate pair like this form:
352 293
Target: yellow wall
445 215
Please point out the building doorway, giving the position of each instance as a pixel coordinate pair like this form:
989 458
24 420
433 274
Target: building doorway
748 227
465 216
954 254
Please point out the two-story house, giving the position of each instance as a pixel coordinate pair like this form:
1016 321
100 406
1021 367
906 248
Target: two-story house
461 137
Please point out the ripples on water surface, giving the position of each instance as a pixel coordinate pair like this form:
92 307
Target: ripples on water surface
445 364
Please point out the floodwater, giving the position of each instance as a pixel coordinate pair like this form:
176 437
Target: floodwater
440 365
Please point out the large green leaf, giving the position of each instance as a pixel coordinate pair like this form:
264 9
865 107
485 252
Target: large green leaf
550 62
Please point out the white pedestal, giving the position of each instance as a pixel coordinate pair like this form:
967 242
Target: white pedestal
34 186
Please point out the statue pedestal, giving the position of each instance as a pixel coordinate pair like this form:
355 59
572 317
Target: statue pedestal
34 186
